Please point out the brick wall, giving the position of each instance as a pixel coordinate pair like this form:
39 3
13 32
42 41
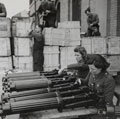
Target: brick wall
99 7
101 10
64 10
84 5
113 18
118 17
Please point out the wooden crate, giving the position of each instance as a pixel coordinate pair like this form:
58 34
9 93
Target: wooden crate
23 46
5 27
99 45
23 63
62 37
113 45
69 24
5 49
72 37
94 45
114 63
23 27
5 63
51 57
67 56
54 36
86 42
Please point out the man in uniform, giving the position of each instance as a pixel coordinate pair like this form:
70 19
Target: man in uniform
3 12
38 57
48 10
93 23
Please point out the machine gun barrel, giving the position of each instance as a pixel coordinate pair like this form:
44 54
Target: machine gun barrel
32 75
27 85
6 96
37 96
37 73
51 94
41 104
60 103
84 103
34 84
5 79
29 105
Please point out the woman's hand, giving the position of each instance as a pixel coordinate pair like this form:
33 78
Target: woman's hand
78 81
62 70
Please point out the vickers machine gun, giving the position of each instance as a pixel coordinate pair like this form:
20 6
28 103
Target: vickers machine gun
23 92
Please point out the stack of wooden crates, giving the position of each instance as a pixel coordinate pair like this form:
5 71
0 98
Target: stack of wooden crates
109 47
22 42
5 47
60 43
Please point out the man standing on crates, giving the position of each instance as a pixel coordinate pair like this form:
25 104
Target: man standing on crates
48 10
93 23
3 12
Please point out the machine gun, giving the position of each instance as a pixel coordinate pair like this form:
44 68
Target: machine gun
23 74
37 95
60 93
32 75
90 100
35 84
71 86
59 102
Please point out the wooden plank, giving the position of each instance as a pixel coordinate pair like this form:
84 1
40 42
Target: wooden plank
69 114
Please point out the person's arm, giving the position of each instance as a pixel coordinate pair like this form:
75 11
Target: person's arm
109 87
78 66
96 20
88 23
37 35
4 12
86 80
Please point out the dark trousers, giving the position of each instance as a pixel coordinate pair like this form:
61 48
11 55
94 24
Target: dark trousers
93 30
50 20
38 60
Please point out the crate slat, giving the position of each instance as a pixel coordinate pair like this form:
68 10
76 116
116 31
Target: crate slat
23 46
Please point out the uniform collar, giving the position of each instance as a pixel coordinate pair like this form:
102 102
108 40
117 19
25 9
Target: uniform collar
100 75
